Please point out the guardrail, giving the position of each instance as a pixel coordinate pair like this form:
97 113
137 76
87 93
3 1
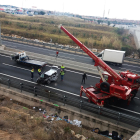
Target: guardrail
54 46
67 99
51 45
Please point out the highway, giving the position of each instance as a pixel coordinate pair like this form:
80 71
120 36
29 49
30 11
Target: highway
65 55
72 79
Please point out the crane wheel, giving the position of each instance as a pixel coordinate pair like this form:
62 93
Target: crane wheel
105 86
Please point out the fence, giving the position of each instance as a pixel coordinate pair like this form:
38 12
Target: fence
67 99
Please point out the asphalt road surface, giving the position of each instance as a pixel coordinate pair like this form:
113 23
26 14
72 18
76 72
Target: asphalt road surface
65 55
70 86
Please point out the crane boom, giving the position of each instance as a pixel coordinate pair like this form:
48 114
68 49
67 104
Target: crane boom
98 62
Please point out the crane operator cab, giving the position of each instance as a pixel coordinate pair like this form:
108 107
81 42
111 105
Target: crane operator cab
131 80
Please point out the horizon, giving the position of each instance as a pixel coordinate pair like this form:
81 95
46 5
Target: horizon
101 8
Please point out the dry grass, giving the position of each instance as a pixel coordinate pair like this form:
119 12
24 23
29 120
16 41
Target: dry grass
17 124
45 27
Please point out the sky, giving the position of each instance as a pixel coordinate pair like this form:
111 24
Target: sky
120 9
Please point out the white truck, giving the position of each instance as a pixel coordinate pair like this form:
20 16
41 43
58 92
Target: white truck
114 57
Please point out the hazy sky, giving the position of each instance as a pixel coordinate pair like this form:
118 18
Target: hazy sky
124 9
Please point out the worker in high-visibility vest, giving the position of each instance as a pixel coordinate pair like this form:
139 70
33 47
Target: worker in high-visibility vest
39 71
63 68
62 74
32 73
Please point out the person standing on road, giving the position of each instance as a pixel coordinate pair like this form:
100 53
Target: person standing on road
39 71
84 76
32 73
63 68
62 74
57 53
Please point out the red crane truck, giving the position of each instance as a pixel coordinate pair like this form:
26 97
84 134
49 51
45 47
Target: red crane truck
112 86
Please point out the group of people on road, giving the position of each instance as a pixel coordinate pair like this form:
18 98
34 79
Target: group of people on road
32 73
62 72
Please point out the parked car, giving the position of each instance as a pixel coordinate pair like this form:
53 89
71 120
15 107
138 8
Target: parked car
48 76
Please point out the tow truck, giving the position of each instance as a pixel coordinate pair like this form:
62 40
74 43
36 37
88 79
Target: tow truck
112 86
21 57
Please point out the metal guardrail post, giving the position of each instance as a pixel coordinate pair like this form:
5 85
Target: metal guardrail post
118 118
35 94
21 86
99 110
8 83
0 79
81 105
64 100
49 95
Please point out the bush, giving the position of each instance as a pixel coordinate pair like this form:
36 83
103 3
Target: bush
128 50
67 129
119 31
138 52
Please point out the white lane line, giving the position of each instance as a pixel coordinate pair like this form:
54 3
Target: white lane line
49 66
126 109
45 86
130 70
4 55
132 65
49 50
137 98
15 66
82 73
66 57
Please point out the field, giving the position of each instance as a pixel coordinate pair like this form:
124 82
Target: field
46 27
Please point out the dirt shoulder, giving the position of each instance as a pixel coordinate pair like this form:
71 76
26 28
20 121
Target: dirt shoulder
21 123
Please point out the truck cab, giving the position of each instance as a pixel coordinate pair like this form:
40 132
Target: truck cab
131 80
19 56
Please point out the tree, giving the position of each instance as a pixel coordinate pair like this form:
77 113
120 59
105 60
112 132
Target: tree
41 13
128 50
108 23
99 21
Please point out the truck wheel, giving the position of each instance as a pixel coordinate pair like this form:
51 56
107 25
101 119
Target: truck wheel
134 92
105 86
48 82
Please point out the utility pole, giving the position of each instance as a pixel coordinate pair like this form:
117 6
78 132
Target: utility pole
0 36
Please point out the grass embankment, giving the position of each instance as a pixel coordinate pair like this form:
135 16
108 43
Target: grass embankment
46 27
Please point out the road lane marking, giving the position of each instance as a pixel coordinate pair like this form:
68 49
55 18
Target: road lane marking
137 98
15 66
45 85
63 91
4 55
46 49
131 65
126 109
82 73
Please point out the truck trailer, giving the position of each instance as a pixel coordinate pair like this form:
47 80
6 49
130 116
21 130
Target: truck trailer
112 56
22 58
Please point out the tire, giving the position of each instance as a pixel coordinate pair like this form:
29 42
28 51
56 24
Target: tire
48 82
134 92
105 86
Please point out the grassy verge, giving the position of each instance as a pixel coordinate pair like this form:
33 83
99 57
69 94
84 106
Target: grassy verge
45 27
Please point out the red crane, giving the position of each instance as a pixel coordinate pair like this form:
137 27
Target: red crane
112 86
